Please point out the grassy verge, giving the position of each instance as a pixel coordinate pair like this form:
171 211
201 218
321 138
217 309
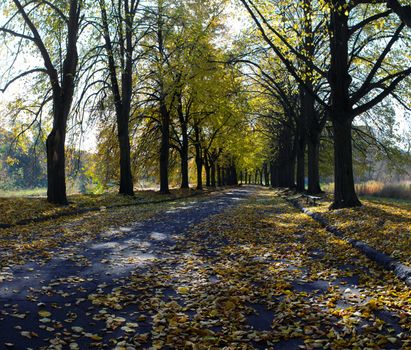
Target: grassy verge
382 223
16 209
34 192
376 189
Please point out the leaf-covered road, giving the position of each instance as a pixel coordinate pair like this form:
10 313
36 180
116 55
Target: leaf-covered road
60 288
239 270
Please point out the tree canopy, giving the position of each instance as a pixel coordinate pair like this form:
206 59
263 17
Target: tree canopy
304 91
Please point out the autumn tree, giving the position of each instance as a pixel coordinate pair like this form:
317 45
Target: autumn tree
41 20
352 33
121 33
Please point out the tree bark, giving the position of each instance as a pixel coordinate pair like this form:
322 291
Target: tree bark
184 169
344 190
207 167
62 100
184 146
164 148
266 175
301 143
341 110
122 98
56 165
126 177
313 142
213 171
199 158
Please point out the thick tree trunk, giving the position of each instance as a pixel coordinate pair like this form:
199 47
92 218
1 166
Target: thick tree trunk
123 96
199 159
164 149
266 175
341 110
301 166
184 166
207 167
261 177
285 159
184 143
208 175
301 145
344 190
232 174
213 171
219 178
273 175
62 100
126 177
56 165
314 165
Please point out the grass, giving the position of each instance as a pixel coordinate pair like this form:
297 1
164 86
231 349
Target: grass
376 189
382 223
32 192
17 208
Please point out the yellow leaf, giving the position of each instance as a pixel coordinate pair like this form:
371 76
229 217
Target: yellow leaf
44 313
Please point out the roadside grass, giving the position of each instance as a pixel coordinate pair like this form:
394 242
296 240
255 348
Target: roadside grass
385 224
14 209
376 189
32 192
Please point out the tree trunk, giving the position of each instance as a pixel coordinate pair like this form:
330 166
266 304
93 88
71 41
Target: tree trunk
56 165
62 100
232 174
184 144
266 175
344 190
219 180
286 163
123 96
213 170
199 158
313 142
301 145
164 149
272 175
126 177
207 167
341 109
208 175
184 166
261 177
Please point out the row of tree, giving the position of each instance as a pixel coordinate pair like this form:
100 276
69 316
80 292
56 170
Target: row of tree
150 73
164 85
326 62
